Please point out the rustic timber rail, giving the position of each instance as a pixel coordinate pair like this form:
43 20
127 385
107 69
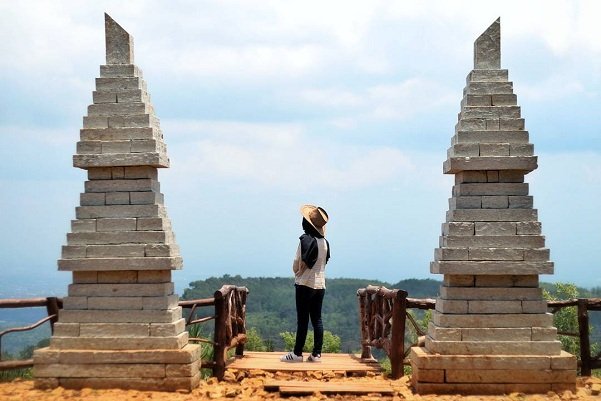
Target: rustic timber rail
587 361
378 307
52 305
230 324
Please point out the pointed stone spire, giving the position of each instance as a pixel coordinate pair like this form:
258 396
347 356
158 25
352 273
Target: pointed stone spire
121 249
487 48
119 43
490 332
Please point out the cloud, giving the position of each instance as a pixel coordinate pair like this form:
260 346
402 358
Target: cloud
394 101
551 89
281 156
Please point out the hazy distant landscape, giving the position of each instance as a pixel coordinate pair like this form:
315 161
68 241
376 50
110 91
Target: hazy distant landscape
270 309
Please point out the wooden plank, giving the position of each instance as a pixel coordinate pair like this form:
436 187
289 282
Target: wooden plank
16 364
310 387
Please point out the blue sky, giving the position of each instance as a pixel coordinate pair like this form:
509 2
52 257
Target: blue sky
266 105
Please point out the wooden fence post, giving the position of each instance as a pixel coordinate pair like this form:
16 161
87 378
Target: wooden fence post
220 337
241 297
365 348
397 345
52 308
585 346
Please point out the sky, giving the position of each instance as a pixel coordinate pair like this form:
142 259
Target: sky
267 105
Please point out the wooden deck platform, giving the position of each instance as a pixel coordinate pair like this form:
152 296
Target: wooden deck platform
270 361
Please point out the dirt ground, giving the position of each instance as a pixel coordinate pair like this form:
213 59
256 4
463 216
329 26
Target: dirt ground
244 386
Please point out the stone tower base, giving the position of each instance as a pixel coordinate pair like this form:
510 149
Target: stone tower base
153 369
491 374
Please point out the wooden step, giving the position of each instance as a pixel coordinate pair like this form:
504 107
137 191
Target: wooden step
310 387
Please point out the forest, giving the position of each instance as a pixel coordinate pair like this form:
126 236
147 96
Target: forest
271 309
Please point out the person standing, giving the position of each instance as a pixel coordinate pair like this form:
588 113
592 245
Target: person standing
309 265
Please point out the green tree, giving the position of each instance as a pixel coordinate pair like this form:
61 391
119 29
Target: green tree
254 342
566 319
331 342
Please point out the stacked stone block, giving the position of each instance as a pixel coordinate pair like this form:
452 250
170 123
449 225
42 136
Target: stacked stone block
490 332
120 325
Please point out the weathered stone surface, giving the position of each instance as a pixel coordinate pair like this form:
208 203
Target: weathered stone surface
495 228
154 276
493 347
85 277
119 43
121 290
118 277
473 215
483 254
109 224
496 334
507 281
188 354
420 357
451 306
117 316
118 238
118 134
120 159
509 376
114 330
492 293
457 228
145 384
117 343
76 302
487 48
457 164
164 302
102 370
125 263
65 329
451 254
491 267
122 185
119 70
183 370
493 137
494 241
115 303
167 329
493 320
117 211
107 251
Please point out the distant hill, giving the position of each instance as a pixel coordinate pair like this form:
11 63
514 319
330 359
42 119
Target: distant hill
271 309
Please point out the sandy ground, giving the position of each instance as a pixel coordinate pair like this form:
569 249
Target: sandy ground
244 386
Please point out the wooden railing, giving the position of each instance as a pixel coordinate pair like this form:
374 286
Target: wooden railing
230 324
52 305
588 362
378 306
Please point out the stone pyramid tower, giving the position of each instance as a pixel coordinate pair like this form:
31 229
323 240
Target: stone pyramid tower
121 325
491 332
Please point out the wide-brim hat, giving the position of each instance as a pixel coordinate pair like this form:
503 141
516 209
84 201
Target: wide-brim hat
316 216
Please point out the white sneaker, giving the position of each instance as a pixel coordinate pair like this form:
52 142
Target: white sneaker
314 358
291 357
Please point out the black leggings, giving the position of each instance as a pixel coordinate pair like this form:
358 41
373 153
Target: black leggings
308 305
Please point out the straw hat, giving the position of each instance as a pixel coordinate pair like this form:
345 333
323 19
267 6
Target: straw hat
316 216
